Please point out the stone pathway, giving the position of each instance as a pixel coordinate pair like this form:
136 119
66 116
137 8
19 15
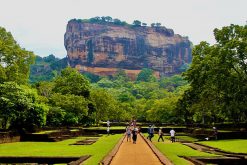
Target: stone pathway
135 154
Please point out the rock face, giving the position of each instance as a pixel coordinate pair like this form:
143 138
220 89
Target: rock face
103 49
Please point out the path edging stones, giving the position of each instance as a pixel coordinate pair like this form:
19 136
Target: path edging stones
163 159
108 158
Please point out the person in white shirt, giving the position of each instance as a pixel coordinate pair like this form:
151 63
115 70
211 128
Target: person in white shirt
108 130
172 132
108 123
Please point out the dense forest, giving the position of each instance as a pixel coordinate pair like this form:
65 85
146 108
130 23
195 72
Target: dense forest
213 89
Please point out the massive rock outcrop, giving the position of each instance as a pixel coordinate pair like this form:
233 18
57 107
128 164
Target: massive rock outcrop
104 48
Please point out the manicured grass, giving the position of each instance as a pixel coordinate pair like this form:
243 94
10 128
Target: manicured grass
104 128
63 148
233 145
185 138
46 132
174 150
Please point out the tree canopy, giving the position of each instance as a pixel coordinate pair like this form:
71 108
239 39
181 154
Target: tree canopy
14 60
218 77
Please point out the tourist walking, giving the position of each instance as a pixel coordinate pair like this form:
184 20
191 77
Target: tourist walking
128 133
160 135
150 132
134 134
172 132
108 131
215 133
108 123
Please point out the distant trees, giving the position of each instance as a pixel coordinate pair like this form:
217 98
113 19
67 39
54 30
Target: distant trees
116 21
155 24
144 24
137 23
146 75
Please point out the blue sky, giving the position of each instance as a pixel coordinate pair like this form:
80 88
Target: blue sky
39 25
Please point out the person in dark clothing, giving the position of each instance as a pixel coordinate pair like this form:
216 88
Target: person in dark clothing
215 134
150 132
134 135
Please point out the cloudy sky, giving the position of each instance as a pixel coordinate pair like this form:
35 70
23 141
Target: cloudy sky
39 25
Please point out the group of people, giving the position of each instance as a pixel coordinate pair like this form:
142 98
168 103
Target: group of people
132 131
160 133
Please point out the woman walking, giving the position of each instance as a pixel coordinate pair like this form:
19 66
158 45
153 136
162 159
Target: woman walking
128 133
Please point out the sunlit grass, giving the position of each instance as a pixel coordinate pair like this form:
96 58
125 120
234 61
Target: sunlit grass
63 148
174 151
104 128
233 145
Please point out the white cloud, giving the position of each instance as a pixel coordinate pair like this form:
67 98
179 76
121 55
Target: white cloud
39 25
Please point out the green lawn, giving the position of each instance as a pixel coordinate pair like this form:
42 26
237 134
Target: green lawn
104 128
186 138
174 150
63 148
234 145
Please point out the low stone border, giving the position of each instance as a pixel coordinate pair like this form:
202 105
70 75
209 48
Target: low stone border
108 158
197 160
163 159
79 161
41 159
87 141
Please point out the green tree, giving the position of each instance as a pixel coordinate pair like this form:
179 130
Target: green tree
144 24
218 75
14 61
152 24
71 82
146 75
20 107
137 23
108 19
75 107
105 105
158 24
163 110
55 116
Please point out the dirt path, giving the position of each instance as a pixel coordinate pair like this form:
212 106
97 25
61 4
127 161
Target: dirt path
135 154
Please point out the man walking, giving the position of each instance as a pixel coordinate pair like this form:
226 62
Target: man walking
172 132
150 132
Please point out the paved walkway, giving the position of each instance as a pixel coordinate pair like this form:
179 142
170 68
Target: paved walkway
135 154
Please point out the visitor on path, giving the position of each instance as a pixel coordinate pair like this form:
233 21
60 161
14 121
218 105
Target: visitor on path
108 123
134 134
160 135
133 122
172 132
108 131
128 133
150 132
215 134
